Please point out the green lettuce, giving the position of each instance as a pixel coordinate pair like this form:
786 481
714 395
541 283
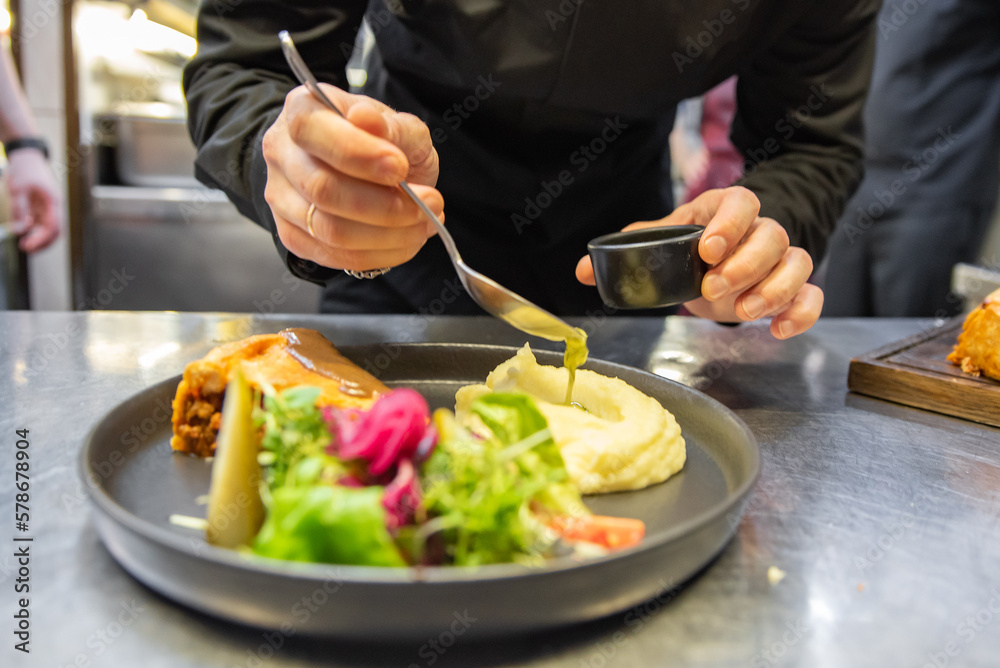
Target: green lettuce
480 493
295 440
514 418
309 516
326 523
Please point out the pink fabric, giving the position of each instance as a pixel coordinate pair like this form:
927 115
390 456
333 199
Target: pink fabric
725 164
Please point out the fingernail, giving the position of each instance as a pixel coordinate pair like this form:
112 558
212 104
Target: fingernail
753 306
785 328
716 247
716 287
391 168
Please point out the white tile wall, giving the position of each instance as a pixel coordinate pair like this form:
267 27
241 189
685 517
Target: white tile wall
43 79
48 270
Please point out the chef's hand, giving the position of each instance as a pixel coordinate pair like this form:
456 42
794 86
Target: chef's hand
755 272
349 169
36 202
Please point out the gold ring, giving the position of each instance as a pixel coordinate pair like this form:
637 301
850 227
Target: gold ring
309 220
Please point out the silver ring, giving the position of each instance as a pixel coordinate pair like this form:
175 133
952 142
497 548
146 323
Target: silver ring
371 273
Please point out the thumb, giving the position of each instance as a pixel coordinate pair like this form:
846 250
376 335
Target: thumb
585 271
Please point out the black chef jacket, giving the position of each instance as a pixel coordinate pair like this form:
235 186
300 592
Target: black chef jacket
550 118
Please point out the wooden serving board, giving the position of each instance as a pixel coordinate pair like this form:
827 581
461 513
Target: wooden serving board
916 372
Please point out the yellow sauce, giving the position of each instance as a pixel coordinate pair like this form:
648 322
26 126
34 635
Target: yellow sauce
576 354
626 439
528 319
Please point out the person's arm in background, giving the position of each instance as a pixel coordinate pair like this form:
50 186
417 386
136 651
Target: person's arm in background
798 123
799 119
35 197
274 150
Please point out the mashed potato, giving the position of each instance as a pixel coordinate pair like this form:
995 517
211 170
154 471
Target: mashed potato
624 440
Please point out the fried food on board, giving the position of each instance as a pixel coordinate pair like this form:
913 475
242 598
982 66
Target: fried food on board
286 359
978 347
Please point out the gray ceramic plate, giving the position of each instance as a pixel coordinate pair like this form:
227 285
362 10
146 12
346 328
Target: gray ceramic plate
138 482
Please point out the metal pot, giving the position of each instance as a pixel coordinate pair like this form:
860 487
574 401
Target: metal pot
13 263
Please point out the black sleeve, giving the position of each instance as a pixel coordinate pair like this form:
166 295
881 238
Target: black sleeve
236 86
798 121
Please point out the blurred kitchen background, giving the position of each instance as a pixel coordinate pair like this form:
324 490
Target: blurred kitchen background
103 78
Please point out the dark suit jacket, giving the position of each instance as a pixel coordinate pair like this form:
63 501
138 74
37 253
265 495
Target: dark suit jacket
550 118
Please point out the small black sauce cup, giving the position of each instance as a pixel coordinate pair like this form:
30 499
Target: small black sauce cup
657 266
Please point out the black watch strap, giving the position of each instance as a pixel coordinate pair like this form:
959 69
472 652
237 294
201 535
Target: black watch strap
27 142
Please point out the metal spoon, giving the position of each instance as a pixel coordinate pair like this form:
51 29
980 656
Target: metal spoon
493 297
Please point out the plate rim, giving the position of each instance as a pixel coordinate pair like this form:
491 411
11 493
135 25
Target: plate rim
428 575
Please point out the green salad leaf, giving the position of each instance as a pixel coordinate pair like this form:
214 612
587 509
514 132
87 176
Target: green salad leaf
486 499
295 440
327 523
309 516
514 418
479 492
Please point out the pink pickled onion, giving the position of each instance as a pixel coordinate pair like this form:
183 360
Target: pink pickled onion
402 496
350 481
396 428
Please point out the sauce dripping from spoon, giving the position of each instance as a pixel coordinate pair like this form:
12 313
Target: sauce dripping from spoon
576 354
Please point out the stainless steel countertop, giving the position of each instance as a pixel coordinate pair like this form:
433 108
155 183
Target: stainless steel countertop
886 519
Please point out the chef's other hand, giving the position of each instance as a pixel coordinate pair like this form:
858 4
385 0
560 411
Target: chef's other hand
349 169
754 274
36 202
